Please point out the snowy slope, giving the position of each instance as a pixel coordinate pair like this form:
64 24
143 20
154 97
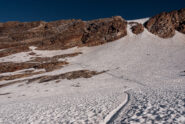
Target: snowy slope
136 65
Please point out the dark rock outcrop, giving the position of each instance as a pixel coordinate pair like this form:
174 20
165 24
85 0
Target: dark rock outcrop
161 25
178 20
165 23
104 30
136 27
60 34
63 36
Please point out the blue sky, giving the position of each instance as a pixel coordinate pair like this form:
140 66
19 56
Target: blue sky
50 10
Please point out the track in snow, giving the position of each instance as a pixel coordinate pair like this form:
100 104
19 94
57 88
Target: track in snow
154 105
116 111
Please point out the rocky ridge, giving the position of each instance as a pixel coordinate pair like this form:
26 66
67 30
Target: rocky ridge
62 34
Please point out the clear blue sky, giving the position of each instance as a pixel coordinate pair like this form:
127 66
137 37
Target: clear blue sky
49 10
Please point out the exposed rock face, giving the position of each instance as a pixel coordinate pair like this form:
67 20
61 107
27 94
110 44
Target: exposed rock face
165 24
136 28
178 20
104 30
60 34
161 25
64 35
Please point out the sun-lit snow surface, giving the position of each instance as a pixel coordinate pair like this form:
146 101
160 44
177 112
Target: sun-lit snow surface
150 69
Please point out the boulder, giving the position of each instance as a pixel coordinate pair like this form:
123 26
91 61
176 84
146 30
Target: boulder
136 28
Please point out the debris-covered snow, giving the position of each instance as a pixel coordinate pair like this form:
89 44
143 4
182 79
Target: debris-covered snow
147 68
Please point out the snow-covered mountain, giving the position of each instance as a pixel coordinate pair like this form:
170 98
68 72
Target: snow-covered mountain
138 78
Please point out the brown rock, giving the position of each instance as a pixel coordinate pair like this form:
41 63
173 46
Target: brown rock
68 75
48 66
104 30
161 25
136 28
178 19
181 27
175 18
60 34
66 35
165 24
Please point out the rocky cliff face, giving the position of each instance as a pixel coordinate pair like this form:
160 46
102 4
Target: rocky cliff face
165 23
18 36
62 34
104 30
